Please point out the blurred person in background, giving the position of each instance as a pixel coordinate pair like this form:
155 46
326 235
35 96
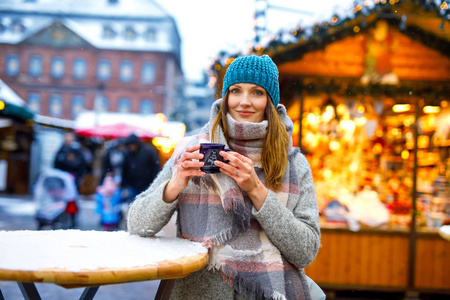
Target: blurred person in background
108 200
113 160
71 159
140 167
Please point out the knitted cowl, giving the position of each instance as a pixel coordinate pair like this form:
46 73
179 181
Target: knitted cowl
213 210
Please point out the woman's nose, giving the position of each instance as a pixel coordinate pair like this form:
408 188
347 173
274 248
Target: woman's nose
245 99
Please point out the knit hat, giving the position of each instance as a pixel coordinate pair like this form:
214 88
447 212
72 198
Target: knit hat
259 70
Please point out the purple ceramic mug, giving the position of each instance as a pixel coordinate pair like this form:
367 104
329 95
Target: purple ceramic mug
210 153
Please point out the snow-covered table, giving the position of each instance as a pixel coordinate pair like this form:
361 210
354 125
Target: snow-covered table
444 232
75 258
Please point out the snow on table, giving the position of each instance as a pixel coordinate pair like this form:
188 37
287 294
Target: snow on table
75 250
444 231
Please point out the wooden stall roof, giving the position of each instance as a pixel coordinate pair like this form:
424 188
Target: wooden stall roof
411 60
420 51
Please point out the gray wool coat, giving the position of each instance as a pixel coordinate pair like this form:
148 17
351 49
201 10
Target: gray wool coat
295 233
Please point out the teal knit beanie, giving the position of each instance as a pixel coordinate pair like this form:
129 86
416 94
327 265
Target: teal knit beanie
259 70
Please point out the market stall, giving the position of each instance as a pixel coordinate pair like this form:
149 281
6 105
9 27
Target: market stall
16 137
370 98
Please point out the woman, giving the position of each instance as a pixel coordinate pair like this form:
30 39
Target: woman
259 216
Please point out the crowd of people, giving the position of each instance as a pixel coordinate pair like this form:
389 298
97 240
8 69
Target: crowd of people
128 167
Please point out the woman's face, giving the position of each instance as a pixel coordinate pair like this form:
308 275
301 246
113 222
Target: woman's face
247 102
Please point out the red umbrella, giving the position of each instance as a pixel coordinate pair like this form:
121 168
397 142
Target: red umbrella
117 131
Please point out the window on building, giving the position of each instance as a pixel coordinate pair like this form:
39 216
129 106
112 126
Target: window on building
77 105
17 26
146 106
104 70
148 72
57 67
104 105
35 66
150 34
55 107
126 71
79 68
12 65
124 105
34 102
130 33
108 32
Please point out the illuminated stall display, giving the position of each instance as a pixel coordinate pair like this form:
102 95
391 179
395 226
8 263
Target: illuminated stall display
359 145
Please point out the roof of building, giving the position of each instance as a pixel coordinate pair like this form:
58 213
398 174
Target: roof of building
7 94
13 104
136 25
132 9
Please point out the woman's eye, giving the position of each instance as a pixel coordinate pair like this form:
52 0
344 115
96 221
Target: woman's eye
259 93
234 91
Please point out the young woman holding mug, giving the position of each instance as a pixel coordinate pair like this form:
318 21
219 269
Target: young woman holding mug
258 216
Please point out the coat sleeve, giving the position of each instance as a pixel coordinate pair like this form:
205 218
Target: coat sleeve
148 213
295 233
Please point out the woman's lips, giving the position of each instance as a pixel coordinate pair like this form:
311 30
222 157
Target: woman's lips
245 113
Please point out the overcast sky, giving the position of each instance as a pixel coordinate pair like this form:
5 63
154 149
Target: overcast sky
209 26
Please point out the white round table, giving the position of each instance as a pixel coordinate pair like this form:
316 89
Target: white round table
75 258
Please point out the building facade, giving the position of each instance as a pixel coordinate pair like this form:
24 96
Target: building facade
66 56
194 110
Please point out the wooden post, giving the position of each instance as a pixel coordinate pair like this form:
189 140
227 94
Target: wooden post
412 231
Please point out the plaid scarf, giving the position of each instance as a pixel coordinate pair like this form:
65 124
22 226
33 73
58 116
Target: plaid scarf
213 210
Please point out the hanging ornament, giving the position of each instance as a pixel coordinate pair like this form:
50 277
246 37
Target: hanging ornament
379 106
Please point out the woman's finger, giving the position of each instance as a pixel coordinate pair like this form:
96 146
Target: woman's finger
193 148
237 159
188 164
191 153
186 171
226 168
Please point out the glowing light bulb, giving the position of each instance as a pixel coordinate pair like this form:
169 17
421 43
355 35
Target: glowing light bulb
431 109
398 108
405 154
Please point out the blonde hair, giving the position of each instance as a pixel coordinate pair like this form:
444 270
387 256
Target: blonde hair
275 147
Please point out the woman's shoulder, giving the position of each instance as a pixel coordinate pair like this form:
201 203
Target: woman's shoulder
300 161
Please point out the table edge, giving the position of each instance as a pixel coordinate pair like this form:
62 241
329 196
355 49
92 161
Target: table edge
69 279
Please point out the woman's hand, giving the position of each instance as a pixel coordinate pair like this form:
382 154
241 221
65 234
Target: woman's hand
241 169
188 166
